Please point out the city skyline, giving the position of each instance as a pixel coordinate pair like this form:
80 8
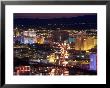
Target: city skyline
62 44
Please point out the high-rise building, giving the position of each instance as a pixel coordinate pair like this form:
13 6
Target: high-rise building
85 42
40 39
60 35
93 62
90 42
29 33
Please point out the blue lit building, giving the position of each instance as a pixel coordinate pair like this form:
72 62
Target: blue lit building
22 39
93 62
71 39
17 39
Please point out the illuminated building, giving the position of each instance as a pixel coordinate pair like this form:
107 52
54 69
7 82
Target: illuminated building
22 39
71 39
27 40
32 33
29 37
40 39
78 44
16 32
52 72
29 33
31 40
26 33
23 70
66 55
93 62
46 41
89 43
66 73
85 42
51 58
64 63
18 39
60 36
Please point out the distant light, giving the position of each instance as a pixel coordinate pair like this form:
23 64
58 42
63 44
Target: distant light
47 56
57 57
66 56
82 56
64 43
77 56
87 51
65 62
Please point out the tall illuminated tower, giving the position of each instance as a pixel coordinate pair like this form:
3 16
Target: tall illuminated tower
93 62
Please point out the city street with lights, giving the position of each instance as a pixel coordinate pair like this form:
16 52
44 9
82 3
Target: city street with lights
61 46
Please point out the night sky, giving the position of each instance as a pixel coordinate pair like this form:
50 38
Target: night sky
49 15
77 20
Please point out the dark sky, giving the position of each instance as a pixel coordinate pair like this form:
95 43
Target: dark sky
49 15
